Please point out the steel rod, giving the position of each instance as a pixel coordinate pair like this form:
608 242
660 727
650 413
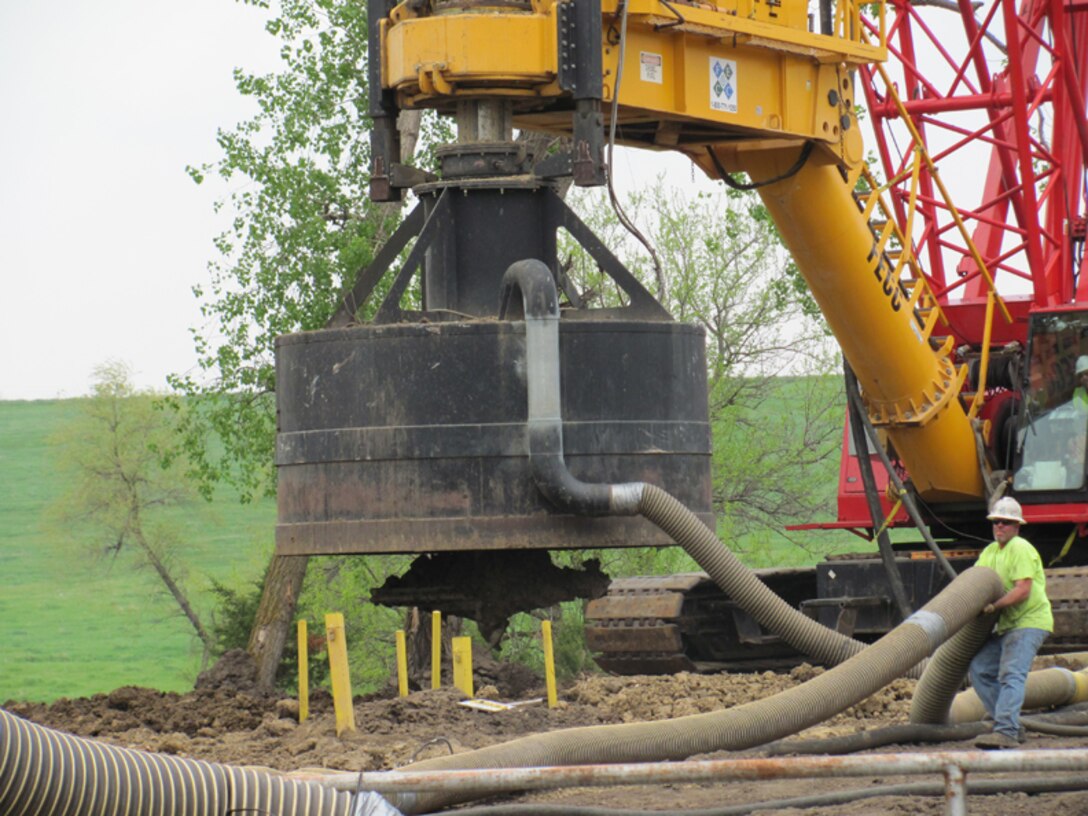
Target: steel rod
496 780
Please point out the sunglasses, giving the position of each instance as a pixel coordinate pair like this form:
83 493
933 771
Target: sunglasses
1003 523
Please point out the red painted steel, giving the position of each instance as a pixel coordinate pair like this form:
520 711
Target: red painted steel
1013 118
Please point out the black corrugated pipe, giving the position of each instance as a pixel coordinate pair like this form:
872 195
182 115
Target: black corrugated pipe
49 772
539 304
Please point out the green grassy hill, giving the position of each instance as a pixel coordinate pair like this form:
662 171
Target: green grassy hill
72 624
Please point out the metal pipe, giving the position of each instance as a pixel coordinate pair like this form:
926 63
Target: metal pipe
975 787
507 780
539 303
955 790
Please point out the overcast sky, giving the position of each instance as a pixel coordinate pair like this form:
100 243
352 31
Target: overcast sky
102 234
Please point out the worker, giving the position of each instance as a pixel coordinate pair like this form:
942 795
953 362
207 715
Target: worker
1000 669
1080 374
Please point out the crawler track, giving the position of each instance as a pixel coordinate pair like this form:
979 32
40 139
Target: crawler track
683 622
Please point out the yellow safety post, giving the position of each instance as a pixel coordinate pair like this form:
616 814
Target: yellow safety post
436 649
549 663
303 673
402 663
338 672
462 664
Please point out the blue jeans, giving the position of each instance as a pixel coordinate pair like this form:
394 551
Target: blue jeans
999 673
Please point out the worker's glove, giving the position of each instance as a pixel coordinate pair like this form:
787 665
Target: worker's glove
989 609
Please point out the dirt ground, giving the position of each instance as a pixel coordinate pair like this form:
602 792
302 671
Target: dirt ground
224 720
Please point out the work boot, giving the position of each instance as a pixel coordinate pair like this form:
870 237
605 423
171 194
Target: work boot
996 741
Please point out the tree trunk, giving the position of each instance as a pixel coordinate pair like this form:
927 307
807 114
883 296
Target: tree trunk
175 590
275 615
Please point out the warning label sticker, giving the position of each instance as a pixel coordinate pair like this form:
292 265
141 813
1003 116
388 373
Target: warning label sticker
649 67
723 85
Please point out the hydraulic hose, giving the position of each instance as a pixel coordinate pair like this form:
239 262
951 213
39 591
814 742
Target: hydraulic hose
539 303
975 787
877 738
46 771
744 726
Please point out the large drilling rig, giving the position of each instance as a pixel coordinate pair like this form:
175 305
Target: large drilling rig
423 431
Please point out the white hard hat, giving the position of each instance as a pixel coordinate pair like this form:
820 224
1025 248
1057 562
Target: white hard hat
1082 365
1007 509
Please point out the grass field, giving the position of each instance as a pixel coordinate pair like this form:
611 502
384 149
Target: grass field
73 625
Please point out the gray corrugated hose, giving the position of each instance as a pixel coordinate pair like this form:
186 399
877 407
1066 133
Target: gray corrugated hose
1046 688
935 698
744 726
539 303
43 771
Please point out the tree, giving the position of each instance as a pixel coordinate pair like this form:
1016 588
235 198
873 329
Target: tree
302 227
119 486
727 272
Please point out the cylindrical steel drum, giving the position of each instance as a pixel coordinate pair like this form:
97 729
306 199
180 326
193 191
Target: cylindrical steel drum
412 437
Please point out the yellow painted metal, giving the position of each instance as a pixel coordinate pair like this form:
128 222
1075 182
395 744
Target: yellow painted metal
514 51
781 72
788 85
338 673
402 663
303 673
922 155
462 664
984 359
909 387
436 649
777 93
549 663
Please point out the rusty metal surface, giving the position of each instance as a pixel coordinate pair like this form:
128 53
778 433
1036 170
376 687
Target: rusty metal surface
1067 584
1067 588
660 638
662 605
684 622
681 581
496 780
377 536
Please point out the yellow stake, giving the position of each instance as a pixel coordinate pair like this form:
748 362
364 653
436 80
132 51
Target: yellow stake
549 663
436 649
462 664
303 673
402 664
338 673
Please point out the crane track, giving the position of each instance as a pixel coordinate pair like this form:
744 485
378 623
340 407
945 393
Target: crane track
685 623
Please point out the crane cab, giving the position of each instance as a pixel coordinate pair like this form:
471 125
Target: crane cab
1052 429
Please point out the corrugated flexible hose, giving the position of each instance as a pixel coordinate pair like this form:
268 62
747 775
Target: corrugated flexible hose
741 584
744 726
936 699
43 771
539 304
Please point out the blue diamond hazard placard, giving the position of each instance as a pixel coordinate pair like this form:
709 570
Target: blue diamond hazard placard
723 85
